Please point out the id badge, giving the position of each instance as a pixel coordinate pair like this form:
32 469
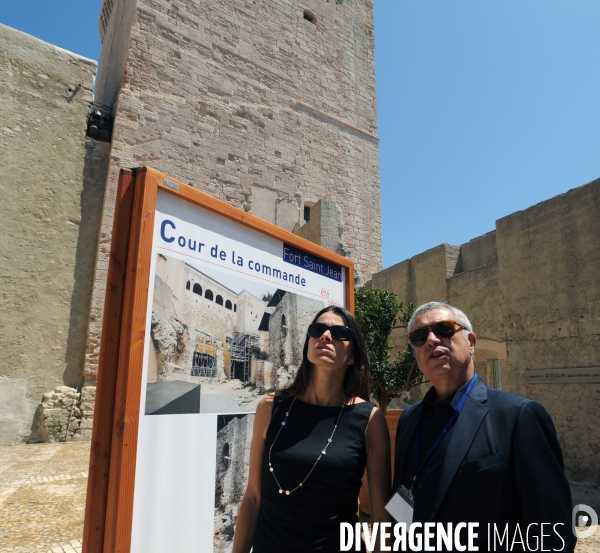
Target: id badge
401 506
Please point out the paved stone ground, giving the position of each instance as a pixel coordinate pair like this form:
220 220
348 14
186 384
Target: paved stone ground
227 397
42 499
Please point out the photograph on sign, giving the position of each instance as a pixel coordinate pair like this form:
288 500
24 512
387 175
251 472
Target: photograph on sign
234 435
226 319
226 324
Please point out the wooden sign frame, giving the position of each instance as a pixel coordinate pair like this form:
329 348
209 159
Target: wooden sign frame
109 506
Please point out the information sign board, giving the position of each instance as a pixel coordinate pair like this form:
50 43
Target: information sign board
559 376
207 308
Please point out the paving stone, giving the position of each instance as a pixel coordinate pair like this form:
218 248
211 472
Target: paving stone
42 499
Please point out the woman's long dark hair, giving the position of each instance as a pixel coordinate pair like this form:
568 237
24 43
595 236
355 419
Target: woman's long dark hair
356 383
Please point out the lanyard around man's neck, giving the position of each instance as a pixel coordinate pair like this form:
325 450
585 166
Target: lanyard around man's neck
418 464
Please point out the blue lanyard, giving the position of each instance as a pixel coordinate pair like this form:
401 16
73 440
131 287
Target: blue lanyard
449 424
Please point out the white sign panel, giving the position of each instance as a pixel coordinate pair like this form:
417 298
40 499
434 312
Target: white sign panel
202 238
227 305
589 374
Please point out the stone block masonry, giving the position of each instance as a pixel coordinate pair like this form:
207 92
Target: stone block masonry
231 475
51 182
58 416
530 288
250 102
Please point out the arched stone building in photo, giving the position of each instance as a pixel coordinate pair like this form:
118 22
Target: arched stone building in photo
200 328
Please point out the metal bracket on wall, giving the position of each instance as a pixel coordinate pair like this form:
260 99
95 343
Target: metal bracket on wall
100 123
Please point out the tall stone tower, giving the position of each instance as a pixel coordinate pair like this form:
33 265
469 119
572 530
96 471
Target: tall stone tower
267 104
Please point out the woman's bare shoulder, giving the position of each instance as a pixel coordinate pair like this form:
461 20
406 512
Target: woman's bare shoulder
269 398
266 403
264 411
356 400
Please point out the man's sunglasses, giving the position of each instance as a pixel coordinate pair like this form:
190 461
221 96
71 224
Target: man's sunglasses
443 329
338 332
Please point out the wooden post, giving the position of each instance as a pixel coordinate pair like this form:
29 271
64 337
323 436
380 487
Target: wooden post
97 491
121 484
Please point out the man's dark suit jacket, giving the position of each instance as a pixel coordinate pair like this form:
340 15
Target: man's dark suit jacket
501 463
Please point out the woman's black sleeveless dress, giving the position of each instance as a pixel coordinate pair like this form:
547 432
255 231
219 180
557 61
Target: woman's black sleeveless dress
308 519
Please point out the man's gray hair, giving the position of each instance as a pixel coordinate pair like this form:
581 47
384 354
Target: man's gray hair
459 316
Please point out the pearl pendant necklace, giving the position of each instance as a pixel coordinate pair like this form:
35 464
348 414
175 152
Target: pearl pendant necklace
323 451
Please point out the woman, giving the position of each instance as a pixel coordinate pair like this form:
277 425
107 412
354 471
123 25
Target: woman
310 446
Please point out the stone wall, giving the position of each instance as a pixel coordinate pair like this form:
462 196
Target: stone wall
531 291
173 348
262 374
250 310
173 273
207 283
208 316
231 475
325 227
58 416
180 318
52 180
233 441
287 333
250 102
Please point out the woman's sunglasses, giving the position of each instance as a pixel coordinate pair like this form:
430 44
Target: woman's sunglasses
338 332
443 329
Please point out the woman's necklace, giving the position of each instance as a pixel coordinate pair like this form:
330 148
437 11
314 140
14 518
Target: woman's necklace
323 451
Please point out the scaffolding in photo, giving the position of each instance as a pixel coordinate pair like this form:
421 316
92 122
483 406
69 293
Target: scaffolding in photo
241 347
204 362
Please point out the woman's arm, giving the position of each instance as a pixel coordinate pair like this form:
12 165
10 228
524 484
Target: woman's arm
378 467
248 513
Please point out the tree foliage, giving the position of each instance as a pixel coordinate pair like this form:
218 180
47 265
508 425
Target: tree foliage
379 312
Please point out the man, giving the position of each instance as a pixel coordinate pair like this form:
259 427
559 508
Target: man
498 464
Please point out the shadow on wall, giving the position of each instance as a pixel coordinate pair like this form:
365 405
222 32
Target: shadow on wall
95 170
58 417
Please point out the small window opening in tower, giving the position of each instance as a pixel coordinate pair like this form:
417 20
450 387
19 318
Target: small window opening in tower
208 295
197 289
187 286
310 16
225 458
306 213
219 299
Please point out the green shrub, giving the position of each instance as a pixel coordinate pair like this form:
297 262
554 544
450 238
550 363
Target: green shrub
379 312
228 531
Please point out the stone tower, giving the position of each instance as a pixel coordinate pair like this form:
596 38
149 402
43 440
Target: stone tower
267 104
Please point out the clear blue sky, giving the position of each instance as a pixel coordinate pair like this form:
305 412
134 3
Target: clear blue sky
485 108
